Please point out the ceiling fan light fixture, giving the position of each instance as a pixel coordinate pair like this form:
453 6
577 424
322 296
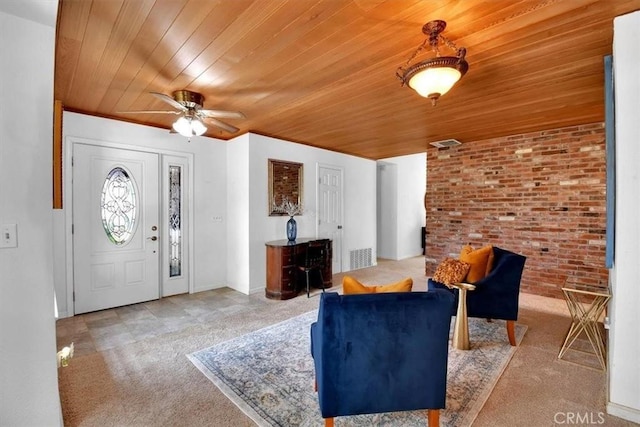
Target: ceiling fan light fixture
189 106
434 77
188 126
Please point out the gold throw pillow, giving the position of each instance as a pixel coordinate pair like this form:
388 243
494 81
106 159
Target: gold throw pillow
352 286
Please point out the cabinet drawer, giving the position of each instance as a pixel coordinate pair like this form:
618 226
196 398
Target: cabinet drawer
288 256
289 277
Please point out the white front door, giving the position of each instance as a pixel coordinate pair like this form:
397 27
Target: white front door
330 210
115 227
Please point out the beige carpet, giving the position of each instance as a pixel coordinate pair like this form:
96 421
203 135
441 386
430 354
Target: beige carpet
152 383
282 397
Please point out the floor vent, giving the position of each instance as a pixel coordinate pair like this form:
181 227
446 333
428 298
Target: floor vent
360 258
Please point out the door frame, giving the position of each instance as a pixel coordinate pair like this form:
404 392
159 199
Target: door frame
67 172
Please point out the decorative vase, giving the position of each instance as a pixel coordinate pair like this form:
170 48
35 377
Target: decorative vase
292 229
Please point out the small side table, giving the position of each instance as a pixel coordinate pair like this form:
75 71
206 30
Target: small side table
586 308
461 328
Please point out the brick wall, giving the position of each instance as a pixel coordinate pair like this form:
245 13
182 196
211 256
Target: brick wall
541 194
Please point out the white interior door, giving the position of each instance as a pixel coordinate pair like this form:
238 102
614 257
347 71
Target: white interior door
330 210
115 227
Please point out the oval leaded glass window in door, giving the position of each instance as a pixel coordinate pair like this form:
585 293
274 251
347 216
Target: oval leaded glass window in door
119 206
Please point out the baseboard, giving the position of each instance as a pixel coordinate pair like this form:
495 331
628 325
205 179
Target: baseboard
63 314
256 290
213 287
624 412
205 288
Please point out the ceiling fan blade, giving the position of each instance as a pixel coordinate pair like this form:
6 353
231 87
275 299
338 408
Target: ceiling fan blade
222 114
222 125
169 100
150 112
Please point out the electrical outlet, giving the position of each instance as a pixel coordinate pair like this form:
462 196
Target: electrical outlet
9 236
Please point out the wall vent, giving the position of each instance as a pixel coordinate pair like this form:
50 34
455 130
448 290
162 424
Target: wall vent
360 258
446 143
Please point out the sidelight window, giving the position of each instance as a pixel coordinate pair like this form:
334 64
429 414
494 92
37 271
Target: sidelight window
175 221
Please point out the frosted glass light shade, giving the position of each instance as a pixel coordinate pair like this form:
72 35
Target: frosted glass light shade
182 126
434 82
189 127
197 127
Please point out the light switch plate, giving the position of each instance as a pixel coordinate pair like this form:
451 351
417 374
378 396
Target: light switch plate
9 236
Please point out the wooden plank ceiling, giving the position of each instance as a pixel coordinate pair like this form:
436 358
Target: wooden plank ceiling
322 72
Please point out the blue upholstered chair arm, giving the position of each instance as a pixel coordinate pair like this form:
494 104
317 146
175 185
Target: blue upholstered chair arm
378 353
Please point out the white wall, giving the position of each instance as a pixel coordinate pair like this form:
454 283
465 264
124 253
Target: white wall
230 182
359 226
401 187
624 338
209 193
238 211
28 373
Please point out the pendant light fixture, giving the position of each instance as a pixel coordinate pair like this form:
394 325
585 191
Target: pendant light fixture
434 77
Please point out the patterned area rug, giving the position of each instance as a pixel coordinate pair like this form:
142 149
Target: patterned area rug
269 375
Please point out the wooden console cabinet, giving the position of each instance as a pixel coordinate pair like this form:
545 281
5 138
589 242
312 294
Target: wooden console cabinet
284 279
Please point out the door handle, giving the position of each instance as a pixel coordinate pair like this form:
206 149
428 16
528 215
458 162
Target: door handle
339 227
152 238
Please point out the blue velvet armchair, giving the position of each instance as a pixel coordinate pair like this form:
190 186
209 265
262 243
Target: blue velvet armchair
496 295
381 352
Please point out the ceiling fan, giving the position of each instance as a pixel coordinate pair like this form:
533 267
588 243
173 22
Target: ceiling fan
188 105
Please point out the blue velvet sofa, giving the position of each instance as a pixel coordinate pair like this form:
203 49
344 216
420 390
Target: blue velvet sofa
496 295
381 352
